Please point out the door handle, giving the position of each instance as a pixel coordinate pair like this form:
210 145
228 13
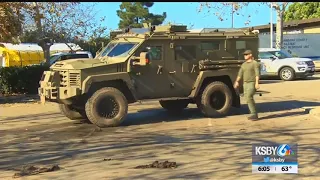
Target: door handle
193 68
173 72
159 69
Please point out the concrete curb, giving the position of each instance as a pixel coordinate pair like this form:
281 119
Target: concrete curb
19 99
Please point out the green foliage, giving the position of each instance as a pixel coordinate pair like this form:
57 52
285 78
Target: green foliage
11 21
29 37
304 10
94 44
133 14
20 80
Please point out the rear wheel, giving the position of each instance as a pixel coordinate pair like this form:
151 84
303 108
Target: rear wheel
107 107
174 106
287 74
69 112
215 100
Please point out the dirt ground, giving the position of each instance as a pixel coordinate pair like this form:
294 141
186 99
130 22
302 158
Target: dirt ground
203 148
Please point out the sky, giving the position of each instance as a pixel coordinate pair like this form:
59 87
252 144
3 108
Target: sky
187 13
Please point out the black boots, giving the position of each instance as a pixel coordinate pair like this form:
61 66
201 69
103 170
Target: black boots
253 117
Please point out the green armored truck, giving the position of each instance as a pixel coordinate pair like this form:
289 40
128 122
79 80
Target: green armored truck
165 63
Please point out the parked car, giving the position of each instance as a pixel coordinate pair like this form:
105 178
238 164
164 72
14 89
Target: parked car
276 62
64 56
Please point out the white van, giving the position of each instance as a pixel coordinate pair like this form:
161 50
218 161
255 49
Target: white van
276 62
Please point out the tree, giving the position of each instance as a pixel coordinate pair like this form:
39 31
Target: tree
236 7
94 44
133 14
62 22
300 11
280 9
11 21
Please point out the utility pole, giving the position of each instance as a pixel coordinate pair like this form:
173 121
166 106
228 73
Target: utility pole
232 13
271 25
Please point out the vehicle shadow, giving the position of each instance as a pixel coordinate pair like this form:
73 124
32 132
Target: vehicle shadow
156 115
309 78
270 81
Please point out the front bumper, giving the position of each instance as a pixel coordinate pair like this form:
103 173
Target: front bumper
50 89
309 71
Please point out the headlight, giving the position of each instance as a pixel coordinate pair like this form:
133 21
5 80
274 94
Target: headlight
301 63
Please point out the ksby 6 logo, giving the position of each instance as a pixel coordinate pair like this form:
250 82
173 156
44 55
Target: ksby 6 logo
282 150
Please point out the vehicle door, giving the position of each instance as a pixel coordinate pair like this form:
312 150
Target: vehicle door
151 81
181 66
268 63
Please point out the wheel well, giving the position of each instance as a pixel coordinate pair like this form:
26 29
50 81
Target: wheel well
226 80
119 84
285 67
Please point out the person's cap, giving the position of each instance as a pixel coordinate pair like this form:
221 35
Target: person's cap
247 52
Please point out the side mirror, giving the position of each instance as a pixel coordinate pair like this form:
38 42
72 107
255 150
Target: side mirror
273 58
143 60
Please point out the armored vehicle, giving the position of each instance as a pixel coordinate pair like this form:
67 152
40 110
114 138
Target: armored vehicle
165 63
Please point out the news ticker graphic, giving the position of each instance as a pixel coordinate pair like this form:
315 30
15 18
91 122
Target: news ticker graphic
275 158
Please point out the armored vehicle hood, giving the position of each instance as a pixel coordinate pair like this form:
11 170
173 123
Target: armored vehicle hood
85 63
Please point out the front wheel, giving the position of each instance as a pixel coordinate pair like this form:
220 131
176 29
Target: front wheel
69 112
107 107
287 74
215 100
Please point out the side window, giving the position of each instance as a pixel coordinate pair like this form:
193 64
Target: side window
209 46
278 54
264 55
155 52
240 45
185 52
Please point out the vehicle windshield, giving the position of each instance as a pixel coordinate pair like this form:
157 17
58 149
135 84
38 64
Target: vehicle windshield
107 49
278 54
119 49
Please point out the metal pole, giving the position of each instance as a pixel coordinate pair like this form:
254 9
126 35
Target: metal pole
232 15
271 25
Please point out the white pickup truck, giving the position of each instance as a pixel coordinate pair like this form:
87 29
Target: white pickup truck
64 56
275 62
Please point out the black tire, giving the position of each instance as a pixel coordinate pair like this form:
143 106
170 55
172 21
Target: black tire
287 74
96 114
69 112
174 106
213 92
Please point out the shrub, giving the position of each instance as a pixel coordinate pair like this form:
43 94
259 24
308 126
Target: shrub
21 80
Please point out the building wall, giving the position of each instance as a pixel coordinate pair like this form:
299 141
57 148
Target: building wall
302 45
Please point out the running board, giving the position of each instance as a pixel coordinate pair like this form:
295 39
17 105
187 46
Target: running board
165 99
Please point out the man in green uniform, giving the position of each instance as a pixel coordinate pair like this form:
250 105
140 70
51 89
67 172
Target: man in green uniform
249 73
